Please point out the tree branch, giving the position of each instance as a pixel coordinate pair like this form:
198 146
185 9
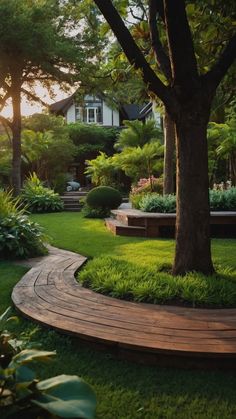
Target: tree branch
214 76
183 60
161 57
133 52
33 97
5 121
3 100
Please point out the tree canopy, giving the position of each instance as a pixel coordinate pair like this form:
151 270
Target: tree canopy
187 90
39 44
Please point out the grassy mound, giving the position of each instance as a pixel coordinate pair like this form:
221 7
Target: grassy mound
122 279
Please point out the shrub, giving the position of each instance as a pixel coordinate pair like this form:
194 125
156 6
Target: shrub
8 205
136 199
89 212
220 200
19 236
60 182
37 198
104 197
158 203
223 200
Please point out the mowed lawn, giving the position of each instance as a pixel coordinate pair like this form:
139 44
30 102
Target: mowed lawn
124 389
91 238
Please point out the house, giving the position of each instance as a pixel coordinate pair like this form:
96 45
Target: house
149 111
94 110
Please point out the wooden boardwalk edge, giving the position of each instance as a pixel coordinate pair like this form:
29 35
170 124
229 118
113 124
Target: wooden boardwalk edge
49 294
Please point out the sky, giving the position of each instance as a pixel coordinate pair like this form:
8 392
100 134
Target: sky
31 108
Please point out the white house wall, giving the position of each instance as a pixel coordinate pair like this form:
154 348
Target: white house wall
70 115
110 116
156 114
116 118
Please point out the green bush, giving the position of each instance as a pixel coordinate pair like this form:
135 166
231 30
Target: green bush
158 203
104 197
89 212
136 199
223 200
60 182
19 236
39 199
219 201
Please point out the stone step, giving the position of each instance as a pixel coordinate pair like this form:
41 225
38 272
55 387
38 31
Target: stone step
74 193
72 205
70 199
121 229
128 219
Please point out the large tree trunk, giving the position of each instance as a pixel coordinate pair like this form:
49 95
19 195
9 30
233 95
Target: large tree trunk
232 166
193 251
169 136
16 137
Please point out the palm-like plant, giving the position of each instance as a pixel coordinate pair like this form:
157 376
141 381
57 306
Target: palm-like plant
101 170
226 135
137 134
139 161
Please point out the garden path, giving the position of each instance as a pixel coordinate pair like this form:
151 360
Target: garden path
49 294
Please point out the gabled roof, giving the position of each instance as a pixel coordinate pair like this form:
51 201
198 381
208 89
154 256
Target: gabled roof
131 111
63 105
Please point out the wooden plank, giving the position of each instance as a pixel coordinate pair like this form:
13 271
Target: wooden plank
50 295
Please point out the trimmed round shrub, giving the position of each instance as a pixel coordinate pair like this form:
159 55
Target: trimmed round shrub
104 197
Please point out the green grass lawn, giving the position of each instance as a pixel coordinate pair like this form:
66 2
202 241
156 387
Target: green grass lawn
137 268
126 390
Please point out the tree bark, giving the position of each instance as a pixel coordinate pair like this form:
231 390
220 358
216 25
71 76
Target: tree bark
169 163
183 101
193 252
16 136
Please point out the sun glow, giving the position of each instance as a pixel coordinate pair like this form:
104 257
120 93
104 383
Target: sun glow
31 107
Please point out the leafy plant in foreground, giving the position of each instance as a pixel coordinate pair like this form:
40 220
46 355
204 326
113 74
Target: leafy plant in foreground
23 395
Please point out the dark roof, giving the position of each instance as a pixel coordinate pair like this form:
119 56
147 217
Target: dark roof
62 106
131 111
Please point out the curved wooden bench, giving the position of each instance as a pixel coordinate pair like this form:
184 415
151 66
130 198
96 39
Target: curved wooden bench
49 294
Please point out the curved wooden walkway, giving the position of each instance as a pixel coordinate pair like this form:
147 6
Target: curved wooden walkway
49 294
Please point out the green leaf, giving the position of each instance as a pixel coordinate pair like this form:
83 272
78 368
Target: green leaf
29 355
67 396
24 374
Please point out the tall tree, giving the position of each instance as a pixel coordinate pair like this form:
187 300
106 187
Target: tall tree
188 101
36 47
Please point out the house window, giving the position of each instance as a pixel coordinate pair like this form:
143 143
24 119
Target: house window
91 115
79 113
94 115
